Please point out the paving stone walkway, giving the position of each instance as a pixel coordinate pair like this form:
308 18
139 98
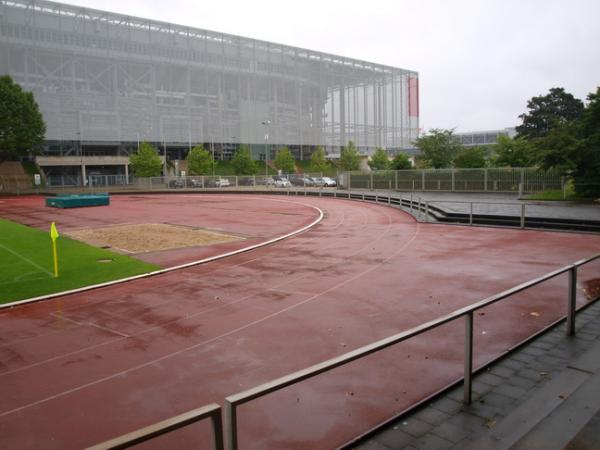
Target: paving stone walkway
497 391
506 204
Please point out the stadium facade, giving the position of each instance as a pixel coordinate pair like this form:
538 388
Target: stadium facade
106 81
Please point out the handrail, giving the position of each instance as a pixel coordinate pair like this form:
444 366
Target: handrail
240 398
212 410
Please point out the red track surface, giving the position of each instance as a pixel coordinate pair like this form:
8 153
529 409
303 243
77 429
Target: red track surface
77 370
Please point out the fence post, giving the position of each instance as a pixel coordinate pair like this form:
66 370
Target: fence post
564 187
423 180
390 193
468 357
426 211
471 213
452 180
396 180
571 301
485 179
523 215
520 190
411 202
522 181
371 185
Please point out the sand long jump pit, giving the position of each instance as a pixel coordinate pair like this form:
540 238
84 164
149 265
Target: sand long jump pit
150 237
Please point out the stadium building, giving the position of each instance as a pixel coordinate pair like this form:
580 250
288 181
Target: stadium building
105 82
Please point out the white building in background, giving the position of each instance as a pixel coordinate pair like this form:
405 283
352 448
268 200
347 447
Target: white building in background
105 82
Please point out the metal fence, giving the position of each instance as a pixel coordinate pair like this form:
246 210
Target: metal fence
507 180
523 180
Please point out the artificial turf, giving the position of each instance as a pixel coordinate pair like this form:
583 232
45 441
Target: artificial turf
26 264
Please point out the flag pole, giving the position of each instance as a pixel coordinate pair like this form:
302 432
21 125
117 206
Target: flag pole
54 235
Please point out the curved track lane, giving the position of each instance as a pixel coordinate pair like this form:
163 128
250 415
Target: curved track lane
84 368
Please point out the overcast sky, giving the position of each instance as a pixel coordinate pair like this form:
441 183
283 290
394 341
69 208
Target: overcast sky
478 61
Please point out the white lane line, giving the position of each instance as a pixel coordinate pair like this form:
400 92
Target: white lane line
179 267
223 335
37 266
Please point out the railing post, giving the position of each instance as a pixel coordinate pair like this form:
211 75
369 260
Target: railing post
217 425
571 301
231 425
372 187
523 215
468 358
471 213
411 200
426 211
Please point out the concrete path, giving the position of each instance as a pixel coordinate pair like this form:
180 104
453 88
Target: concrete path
506 204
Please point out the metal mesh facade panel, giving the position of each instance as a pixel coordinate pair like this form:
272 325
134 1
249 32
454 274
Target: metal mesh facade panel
109 78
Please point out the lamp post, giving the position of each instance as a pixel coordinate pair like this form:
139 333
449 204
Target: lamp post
266 123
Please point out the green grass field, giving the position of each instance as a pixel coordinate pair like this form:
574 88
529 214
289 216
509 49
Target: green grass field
27 270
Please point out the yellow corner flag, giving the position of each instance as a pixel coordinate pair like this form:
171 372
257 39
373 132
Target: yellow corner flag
54 235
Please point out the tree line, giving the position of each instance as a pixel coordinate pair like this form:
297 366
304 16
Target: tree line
558 132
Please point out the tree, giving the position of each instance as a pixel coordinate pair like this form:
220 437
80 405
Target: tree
586 173
318 163
470 158
548 111
22 127
349 158
438 148
242 162
573 147
509 152
146 162
284 161
379 160
200 161
400 162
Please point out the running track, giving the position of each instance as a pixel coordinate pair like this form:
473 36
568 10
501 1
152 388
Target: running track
80 369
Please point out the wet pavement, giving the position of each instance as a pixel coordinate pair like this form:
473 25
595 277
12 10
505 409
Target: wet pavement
81 369
506 204
535 398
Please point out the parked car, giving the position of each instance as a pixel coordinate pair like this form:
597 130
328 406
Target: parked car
282 182
196 183
177 183
301 180
218 182
328 182
265 181
246 181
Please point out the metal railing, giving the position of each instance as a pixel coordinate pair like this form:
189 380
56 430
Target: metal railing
233 401
510 214
212 411
527 179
